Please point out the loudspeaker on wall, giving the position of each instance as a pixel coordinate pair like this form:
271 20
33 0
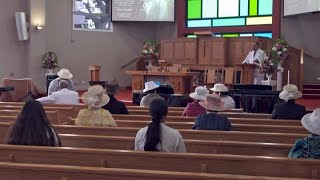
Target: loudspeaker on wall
22 28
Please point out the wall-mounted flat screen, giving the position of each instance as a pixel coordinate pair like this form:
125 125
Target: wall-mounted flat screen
294 7
143 10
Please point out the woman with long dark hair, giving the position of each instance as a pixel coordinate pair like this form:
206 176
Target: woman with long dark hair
157 136
32 127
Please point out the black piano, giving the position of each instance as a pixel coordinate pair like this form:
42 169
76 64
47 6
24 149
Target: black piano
255 98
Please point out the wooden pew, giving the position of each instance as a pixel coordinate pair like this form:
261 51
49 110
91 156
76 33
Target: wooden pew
227 114
177 109
187 162
23 171
235 127
186 133
192 119
193 146
55 117
64 112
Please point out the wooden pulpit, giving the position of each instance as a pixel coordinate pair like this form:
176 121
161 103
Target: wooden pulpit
247 73
95 72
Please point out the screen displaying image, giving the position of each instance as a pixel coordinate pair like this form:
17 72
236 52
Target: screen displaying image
293 7
143 10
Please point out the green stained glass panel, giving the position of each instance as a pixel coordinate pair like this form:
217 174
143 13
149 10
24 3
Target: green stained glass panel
253 7
194 9
230 35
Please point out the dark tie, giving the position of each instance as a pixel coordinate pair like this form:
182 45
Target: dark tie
254 53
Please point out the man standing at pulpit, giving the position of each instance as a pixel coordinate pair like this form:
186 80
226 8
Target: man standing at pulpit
256 56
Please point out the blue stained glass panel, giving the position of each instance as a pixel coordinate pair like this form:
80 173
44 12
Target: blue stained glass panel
268 35
244 5
199 23
265 7
229 22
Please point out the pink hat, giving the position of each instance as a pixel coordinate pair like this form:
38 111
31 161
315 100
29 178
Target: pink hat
213 102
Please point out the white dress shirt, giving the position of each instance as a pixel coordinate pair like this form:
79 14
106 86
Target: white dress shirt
171 140
54 85
228 102
64 96
251 57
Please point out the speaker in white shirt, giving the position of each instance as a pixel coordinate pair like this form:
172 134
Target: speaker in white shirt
22 28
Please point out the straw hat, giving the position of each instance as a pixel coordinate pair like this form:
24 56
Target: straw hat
199 93
64 74
290 91
219 88
311 122
213 102
95 97
151 85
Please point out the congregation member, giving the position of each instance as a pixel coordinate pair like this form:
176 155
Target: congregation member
194 109
95 98
64 74
256 57
32 127
289 109
222 91
151 89
309 146
211 120
157 136
114 106
63 96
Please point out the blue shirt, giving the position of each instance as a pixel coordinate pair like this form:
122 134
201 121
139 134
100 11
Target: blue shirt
212 121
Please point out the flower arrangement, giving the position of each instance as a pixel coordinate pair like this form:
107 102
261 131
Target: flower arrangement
50 60
279 52
149 50
268 66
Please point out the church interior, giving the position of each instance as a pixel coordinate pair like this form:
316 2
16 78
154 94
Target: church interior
159 89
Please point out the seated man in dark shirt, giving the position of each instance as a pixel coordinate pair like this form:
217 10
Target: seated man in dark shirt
211 120
289 109
114 106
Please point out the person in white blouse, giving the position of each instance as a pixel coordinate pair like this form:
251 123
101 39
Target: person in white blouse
157 136
221 90
256 56
63 96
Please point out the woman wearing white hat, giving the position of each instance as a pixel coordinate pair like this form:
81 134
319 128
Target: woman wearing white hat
64 74
289 109
194 109
95 98
151 89
308 147
222 90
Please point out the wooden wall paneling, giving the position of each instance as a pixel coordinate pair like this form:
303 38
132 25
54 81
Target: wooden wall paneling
204 50
235 51
167 49
185 51
219 51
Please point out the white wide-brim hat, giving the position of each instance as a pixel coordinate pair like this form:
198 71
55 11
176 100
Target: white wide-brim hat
150 86
92 93
64 74
290 91
219 88
311 122
200 93
213 102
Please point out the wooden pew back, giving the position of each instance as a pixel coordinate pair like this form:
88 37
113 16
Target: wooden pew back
55 117
187 162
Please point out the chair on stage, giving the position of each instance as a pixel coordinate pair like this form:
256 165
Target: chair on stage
24 89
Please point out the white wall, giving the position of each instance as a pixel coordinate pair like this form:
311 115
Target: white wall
13 53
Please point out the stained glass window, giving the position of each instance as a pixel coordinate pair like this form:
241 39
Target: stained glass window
249 34
228 13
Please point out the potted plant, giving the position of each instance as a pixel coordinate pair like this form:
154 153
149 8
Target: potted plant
149 52
49 61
